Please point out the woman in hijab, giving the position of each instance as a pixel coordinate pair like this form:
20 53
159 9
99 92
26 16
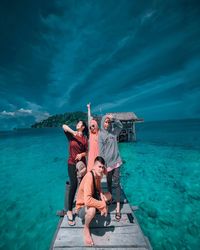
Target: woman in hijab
108 149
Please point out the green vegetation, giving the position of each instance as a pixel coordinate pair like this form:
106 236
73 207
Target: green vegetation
58 120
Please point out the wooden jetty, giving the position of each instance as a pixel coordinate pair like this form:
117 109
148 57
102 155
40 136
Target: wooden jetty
128 120
106 232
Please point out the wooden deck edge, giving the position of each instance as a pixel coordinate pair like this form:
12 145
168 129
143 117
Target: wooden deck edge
145 237
102 247
148 243
55 234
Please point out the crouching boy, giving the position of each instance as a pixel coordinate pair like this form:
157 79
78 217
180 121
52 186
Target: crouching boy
90 197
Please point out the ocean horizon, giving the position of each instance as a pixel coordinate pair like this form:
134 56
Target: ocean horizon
160 174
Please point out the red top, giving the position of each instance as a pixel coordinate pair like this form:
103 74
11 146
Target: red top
77 145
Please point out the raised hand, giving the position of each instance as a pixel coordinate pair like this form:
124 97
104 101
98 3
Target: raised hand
110 116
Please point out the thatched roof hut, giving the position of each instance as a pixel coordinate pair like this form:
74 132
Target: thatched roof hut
128 120
127 116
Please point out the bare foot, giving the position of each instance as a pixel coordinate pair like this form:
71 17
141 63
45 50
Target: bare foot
87 237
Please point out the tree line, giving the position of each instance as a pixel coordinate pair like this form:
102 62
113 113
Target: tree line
57 120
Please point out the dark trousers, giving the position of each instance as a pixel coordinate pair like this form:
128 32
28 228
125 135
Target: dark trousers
73 185
114 176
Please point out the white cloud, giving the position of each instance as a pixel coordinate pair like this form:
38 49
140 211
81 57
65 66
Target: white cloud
17 113
25 111
5 113
35 111
147 15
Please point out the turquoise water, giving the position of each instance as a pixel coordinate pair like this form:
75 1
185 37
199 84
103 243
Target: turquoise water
160 174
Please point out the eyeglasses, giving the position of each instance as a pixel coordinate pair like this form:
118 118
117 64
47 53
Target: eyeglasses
92 126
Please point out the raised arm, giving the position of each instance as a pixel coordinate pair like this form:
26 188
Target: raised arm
89 113
66 128
117 125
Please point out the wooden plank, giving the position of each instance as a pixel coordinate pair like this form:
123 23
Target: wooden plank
148 243
107 236
101 221
56 233
106 231
101 248
116 235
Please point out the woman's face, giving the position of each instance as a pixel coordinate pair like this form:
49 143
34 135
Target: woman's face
106 123
79 126
93 127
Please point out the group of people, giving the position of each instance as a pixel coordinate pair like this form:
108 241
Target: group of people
91 158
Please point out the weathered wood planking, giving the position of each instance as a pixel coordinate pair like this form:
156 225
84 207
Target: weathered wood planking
103 237
100 221
112 235
106 231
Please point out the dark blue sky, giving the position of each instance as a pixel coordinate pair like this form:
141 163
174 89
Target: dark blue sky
141 56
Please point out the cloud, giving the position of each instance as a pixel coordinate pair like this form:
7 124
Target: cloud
5 113
23 117
25 111
38 112
17 113
147 15
58 55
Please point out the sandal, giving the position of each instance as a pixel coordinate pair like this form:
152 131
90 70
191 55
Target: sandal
118 216
71 222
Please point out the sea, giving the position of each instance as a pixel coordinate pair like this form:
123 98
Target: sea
160 175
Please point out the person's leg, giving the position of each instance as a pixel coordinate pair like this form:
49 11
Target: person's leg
109 181
72 190
116 181
90 213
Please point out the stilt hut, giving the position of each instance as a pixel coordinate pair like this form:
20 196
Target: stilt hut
128 119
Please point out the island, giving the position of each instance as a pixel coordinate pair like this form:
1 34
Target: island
57 120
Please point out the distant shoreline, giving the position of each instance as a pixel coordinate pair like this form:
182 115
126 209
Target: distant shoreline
146 122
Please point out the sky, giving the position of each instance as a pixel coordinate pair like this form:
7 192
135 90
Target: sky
58 55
